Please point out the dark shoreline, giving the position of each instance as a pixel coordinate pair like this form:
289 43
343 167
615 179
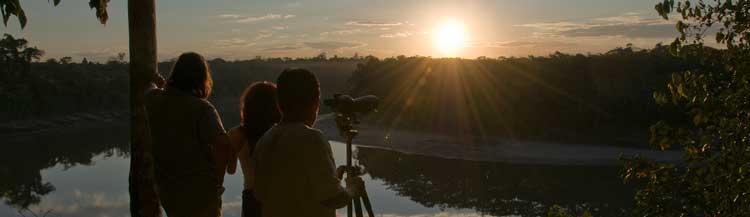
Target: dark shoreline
75 121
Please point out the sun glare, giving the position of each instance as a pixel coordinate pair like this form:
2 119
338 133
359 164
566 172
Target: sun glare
449 37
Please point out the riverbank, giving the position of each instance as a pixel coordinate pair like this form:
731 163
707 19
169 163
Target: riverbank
492 149
75 121
408 142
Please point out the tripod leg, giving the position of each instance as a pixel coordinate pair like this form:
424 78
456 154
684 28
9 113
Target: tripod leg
349 208
366 202
357 207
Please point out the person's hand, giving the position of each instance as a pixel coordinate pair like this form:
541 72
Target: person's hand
232 166
158 80
355 185
340 172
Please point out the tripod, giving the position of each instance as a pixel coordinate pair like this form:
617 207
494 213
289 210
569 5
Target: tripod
345 123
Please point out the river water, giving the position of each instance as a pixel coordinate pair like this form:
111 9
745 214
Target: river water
84 172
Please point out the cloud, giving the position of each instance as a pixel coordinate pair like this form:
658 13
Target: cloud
79 203
262 35
255 19
250 19
229 16
373 23
280 27
240 42
518 44
629 31
284 48
397 35
233 42
554 26
342 32
630 25
333 45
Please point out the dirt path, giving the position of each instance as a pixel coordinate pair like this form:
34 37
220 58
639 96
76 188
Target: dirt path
498 150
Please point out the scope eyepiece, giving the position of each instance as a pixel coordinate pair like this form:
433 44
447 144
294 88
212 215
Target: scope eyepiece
345 104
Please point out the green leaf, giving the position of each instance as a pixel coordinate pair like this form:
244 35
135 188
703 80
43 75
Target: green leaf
697 119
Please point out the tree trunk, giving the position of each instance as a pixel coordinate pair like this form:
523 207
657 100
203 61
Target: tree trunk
144 200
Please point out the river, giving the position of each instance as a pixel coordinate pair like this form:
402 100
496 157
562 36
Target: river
84 172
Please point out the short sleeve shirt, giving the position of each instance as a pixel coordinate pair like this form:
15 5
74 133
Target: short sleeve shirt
294 172
182 127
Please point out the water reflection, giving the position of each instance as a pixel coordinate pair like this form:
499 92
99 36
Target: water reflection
90 167
495 188
23 158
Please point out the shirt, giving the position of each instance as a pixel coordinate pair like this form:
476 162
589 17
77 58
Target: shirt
182 127
294 172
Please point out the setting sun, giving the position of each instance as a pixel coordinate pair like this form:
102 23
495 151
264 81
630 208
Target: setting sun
449 37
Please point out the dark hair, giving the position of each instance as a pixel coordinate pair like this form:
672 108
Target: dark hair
258 109
191 74
298 90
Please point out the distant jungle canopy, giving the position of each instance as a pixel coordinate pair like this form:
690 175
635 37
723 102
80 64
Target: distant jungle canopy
592 98
560 97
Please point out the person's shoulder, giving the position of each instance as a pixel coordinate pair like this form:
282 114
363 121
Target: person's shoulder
271 132
303 131
237 135
313 135
203 104
236 129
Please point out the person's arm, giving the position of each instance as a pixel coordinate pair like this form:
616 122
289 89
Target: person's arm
212 132
326 187
237 141
223 154
353 187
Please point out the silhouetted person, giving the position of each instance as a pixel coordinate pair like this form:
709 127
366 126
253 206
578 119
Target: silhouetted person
293 163
190 147
258 112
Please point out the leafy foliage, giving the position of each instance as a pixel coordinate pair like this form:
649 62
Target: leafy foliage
16 56
714 179
697 19
10 8
101 9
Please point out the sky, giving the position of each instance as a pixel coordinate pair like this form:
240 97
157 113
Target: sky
244 29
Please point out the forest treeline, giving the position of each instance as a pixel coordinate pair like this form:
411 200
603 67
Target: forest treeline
32 88
53 88
593 98
562 97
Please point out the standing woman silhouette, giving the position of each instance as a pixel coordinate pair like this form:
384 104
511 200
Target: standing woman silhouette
190 146
258 113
